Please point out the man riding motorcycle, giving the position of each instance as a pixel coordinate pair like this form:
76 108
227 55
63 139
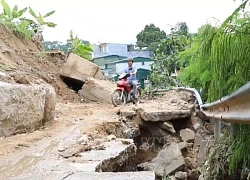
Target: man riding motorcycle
132 78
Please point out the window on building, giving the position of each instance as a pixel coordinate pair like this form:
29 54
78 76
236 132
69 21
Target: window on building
104 49
130 47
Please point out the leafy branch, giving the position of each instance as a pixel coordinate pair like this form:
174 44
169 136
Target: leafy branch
79 48
40 19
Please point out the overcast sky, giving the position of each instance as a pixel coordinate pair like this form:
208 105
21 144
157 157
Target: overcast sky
120 21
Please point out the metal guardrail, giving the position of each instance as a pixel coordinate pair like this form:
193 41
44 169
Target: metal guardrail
234 108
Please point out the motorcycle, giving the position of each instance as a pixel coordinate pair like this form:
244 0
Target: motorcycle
124 92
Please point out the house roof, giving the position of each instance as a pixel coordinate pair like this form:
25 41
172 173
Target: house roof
105 56
142 69
97 44
137 59
122 57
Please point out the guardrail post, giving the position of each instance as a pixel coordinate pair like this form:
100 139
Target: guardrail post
217 129
233 130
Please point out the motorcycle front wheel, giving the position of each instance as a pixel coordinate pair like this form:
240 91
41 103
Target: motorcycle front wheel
118 98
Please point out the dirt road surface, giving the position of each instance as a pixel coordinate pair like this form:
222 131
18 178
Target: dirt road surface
35 155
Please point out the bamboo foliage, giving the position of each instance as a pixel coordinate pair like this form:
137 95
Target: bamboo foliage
222 65
227 50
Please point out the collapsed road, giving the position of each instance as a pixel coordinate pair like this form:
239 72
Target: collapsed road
159 138
57 122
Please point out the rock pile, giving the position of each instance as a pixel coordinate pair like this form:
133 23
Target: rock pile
171 130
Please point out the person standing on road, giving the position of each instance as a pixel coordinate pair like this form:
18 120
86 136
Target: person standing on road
132 78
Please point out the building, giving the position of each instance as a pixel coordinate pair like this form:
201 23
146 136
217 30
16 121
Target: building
112 59
122 50
142 64
101 61
139 63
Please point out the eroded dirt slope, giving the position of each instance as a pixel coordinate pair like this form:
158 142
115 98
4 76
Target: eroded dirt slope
24 63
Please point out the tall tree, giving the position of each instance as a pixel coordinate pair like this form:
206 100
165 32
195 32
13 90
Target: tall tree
150 36
181 28
166 57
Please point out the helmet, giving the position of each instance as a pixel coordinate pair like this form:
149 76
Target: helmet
130 59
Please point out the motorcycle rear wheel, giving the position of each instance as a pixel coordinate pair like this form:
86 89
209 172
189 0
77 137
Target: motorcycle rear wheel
118 99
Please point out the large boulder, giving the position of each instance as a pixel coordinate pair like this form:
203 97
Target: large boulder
168 161
24 108
98 90
80 69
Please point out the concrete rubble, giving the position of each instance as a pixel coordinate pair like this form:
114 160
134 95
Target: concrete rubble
187 135
172 123
167 126
166 162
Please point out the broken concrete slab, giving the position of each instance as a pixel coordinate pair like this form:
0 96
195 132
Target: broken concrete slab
168 161
187 135
98 90
139 175
124 159
155 114
155 130
127 112
167 126
115 156
24 108
80 69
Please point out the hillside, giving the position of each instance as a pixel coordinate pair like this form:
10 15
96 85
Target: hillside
23 62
